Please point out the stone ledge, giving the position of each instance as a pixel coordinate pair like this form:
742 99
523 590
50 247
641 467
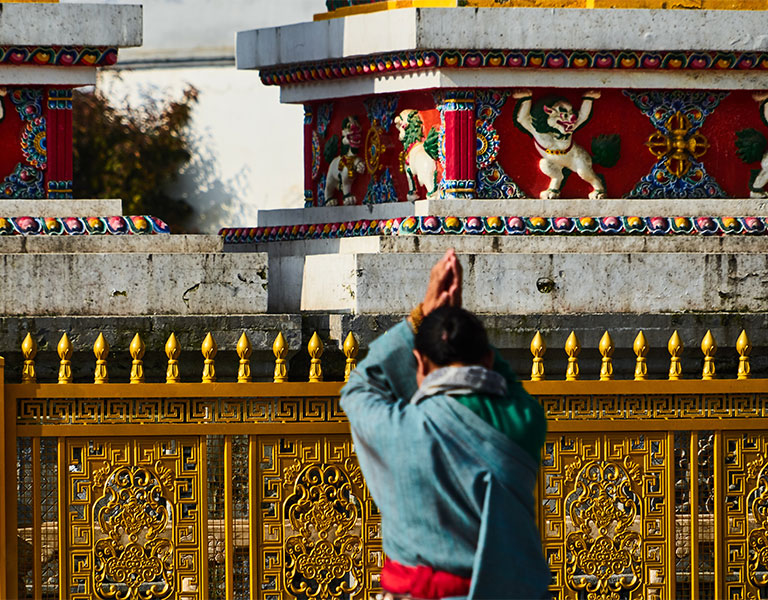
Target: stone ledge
61 208
527 244
332 214
532 284
501 28
120 244
121 284
71 25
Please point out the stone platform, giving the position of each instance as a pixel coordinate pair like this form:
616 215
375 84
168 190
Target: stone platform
129 275
680 266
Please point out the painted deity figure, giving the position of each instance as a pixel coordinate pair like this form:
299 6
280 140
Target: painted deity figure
344 162
551 122
419 156
757 188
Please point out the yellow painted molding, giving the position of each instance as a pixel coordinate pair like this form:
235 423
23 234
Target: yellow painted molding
642 4
363 9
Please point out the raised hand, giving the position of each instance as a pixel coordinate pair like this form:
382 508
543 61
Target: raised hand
445 284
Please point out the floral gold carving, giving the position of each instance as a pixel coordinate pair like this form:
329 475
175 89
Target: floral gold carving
324 556
133 561
604 552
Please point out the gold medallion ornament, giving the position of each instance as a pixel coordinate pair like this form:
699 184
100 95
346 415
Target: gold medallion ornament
679 147
374 148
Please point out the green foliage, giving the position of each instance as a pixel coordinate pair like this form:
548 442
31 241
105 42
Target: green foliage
432 144
606 150
331 150
133 153
750 145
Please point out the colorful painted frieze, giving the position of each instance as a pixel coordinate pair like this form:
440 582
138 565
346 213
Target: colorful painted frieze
537 143
502 226
115 225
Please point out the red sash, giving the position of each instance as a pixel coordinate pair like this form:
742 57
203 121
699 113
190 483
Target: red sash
422 582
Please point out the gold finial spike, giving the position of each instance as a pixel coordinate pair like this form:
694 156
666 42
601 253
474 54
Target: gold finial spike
572 349
172 351
606 350
675 347
708 347
101 352
744 348
315 348
137 350
209 353
244 352
538 348
65 354
29 350
351 348
280 350
641 351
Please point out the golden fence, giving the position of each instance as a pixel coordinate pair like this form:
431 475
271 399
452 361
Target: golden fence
648 488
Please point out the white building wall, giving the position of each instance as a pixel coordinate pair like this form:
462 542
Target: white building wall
249 146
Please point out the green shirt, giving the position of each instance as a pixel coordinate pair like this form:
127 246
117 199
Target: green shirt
518 415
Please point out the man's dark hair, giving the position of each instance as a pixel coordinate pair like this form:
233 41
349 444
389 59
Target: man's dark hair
452 335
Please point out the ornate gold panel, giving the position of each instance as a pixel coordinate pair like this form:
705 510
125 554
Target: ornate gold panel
604 516
124 411
746 515
320 531
133 527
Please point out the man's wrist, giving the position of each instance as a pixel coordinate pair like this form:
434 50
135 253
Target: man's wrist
416 317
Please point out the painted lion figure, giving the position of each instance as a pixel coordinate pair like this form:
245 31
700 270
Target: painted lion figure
419 156
551 122
344 162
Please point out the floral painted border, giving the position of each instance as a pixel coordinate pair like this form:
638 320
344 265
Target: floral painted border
60 56
474 59
433 225
117 225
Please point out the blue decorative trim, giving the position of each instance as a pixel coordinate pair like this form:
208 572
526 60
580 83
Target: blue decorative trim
382 110
60 189
381 190
324 113
60 99
492 180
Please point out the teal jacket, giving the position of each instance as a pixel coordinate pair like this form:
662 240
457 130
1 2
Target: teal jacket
455 490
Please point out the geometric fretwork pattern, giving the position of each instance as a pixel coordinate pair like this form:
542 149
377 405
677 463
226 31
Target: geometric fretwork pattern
604 518
655 406
746 515
320 529
198 411
134 523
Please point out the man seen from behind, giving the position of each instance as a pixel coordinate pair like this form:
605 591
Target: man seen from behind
450 445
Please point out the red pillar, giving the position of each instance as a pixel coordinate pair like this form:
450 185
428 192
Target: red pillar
58 178
458 114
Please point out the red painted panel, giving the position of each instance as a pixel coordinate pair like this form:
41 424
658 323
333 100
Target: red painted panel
421 101
612 113
11 128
